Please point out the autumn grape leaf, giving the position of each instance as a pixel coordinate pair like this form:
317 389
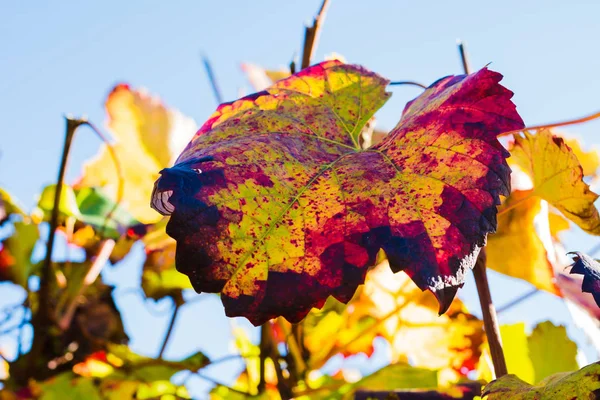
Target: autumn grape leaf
590 269
589 159
551 351
148 136
407 318
274 204
582 384
527 258
546 351
557 176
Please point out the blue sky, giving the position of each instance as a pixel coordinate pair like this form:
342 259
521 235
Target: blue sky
63 57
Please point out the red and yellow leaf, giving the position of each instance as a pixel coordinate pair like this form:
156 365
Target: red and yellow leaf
274 204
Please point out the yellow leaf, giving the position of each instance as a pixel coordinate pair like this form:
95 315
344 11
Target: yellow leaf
582 384
516 248
590 160
516 353
148 136
557 176
408 318
558 223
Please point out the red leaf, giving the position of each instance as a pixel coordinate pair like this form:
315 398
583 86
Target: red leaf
275 205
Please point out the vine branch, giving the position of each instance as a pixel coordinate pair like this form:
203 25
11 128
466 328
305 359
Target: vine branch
43 319
178 303
311 35
490 319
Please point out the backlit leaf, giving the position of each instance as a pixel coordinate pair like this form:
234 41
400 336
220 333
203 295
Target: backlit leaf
547 350
551 351
274 204
8 205
589 160
148 136
582 384
15 254
557 176
590 269
408 319
516 248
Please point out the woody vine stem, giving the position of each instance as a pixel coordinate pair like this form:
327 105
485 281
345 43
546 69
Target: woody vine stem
490 319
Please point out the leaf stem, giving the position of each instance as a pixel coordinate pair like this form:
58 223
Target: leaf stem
576 121
178 303
413 83
43 319
311 35
490 319
514 205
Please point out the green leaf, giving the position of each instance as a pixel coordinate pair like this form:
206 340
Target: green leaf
399 376
95 206
149 369
69 386
551 350
582 384
159 277
161 390
8 205
15 255
67 205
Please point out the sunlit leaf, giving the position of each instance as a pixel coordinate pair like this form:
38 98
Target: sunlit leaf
408 319
15 254
582 384
98 210
551 351
590 269
8 205
147 135
69 385
589 160
558 224
159 276
67 204
399 376
516 353
516 248
557 177
274 205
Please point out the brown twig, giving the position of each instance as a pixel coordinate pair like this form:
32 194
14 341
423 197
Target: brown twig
463 57
99 263
212 79
43 319
490 319
311 35
264 347
178 303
